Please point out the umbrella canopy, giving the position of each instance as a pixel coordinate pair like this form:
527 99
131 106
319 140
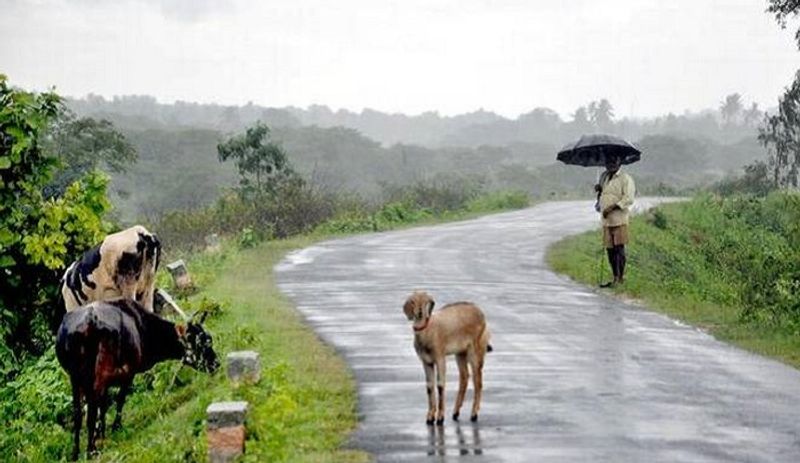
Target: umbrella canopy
591 150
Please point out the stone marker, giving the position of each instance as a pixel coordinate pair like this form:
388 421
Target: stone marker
163 302
180 275
244 367
212 243
225 430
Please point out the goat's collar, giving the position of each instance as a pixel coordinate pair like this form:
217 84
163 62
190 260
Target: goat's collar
420 328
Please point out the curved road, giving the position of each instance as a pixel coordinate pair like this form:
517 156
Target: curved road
575 375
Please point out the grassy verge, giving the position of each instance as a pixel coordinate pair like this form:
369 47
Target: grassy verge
303 408
709 262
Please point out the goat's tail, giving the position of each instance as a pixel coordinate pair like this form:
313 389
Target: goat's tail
485 338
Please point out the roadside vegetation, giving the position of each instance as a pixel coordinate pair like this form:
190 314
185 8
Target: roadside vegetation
729 265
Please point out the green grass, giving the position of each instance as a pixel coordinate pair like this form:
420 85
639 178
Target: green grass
700 262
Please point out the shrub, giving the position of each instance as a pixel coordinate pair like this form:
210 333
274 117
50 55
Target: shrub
38 236
755 181
36 403
442 193
499 200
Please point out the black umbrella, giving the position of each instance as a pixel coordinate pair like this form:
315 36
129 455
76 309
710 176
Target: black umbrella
592 150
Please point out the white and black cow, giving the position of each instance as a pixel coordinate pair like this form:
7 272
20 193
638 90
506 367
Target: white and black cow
123 265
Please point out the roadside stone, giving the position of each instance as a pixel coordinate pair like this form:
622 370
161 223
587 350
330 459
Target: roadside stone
244 367
164 303
225 430
180 274
213 243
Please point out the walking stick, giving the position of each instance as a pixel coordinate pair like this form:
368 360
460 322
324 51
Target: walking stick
600 260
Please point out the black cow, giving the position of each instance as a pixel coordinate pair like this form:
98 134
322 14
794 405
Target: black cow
106 343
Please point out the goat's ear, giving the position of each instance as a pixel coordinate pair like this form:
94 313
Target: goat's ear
180 328
408 308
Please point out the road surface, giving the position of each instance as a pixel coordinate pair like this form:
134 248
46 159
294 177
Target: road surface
575 375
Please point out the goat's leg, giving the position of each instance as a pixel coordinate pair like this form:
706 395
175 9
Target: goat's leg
430 382
441 369
121 396
476 361
77 416
463 378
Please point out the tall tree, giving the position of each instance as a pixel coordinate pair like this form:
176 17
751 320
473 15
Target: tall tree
38 236
260 160
731 108
581 116
601 114
780 133
783 10
753 115
83 145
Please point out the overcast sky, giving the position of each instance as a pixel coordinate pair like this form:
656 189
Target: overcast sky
648 57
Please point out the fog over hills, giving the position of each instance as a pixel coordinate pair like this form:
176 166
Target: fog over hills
366 152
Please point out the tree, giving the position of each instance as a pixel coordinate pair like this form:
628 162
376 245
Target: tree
38 236
581 117
601 113
780 134
731 108
783 9
83 145
753 115
260 161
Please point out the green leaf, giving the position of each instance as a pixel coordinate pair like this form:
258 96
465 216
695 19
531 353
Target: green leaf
6 261
6 237
5 162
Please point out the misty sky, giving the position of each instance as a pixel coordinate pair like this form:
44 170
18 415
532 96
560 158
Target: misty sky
648 57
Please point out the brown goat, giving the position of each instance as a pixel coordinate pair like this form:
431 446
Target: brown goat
459 329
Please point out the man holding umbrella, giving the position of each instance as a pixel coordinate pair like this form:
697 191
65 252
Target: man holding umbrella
615 191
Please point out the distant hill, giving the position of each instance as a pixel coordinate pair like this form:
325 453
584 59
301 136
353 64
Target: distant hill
430 129
367 152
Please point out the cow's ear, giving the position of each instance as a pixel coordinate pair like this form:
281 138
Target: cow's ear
203 317
180 328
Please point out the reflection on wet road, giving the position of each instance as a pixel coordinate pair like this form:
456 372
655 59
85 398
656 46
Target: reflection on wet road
575 375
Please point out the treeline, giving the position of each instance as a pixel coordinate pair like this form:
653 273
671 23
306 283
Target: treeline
178 167
733 120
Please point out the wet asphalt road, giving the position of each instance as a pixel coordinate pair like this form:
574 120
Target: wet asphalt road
575 376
